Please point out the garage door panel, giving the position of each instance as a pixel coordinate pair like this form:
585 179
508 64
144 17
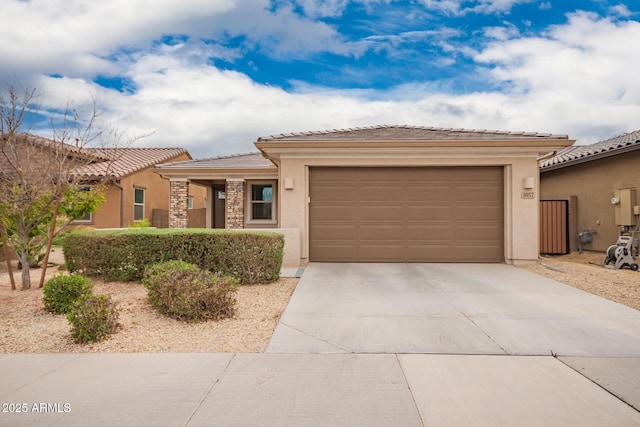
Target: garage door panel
334 193
345 213
386 232
473 194
334 232
336 252
380 193
439 214
434 252
429 232
382 251
477 253
477 231
422 213
478 213
431 193
369 212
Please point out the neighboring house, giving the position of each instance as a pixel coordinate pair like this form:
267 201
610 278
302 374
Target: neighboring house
379 194
599 181
134 191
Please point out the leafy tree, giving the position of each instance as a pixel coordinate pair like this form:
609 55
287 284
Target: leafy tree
42 188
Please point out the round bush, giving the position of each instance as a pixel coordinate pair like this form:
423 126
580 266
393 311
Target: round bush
93 318
61 292
186 292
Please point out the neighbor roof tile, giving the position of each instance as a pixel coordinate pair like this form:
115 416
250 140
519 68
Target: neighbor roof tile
583 153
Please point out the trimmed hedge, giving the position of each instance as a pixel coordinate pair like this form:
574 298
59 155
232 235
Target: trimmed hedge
123 255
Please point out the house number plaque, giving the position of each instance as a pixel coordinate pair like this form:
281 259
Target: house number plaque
528 195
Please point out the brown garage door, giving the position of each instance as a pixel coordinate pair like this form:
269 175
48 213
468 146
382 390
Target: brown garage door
406 214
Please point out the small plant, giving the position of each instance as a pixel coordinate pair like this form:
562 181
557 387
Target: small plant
186 292
61 292
93 318
143 223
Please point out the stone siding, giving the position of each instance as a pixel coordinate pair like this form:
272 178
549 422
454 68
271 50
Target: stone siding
235 204
178 206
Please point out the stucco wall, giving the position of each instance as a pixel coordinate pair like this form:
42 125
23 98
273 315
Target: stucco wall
520 216
108 215
156 197
594 184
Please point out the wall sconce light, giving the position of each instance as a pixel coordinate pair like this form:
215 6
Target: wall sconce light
528 182
288 183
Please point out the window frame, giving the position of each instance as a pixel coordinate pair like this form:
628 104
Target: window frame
250 202
91 218
135 204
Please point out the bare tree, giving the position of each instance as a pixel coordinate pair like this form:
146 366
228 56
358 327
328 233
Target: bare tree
42 188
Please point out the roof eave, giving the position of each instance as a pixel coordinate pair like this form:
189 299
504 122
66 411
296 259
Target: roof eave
215 173
586 159
519 142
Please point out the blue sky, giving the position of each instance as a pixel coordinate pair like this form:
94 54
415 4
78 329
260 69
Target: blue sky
214 75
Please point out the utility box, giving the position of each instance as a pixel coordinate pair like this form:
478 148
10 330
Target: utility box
623 210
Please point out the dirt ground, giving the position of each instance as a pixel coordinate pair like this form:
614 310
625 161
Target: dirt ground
584 271
26 328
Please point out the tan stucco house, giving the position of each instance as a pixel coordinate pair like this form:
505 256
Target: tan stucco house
134 192
599 181
379 194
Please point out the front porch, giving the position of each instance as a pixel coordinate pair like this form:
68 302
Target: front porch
242 193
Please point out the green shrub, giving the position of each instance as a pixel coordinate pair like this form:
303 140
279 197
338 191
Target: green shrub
250 257
93 318
186 292
61 292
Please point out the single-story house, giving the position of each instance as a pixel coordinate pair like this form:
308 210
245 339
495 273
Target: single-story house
379 194
134 192
598 183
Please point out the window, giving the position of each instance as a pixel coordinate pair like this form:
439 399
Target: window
88 217
190 202
261 207
138 204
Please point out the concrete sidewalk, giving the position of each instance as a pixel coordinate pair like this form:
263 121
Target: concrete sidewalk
311 389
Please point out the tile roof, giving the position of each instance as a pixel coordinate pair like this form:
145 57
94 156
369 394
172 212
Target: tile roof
583 153
120 162
413 133
235 161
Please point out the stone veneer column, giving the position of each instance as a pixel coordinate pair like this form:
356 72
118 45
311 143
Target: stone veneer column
235 204
178 203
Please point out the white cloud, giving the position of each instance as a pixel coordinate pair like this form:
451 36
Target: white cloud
322 8
580 75
545 5
578 78
461 7
620 10
79 38
503 33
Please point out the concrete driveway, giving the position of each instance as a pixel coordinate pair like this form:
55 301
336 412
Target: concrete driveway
476 309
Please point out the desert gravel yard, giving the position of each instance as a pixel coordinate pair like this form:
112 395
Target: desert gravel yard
584 271
26 328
